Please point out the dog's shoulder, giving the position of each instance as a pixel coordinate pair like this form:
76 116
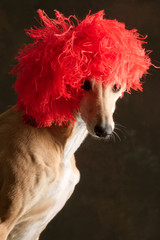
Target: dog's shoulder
29 157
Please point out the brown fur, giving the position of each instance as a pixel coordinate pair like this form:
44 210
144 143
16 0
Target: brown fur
30 159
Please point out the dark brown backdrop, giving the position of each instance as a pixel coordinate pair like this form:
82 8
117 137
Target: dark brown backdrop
118 197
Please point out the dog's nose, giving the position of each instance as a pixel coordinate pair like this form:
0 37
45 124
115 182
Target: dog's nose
103 130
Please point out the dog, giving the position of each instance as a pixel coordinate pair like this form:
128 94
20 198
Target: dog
38 168
40 162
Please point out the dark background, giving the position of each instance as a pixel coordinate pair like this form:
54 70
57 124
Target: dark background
118 197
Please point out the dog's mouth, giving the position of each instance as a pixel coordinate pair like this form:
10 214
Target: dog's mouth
99 130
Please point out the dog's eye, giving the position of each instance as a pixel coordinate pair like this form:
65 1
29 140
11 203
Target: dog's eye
86 85
116 88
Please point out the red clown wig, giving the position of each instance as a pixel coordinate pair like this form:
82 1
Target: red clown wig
64 52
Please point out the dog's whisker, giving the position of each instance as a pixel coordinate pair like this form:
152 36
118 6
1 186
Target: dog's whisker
112 137
120 125
123 130
120 130
116 134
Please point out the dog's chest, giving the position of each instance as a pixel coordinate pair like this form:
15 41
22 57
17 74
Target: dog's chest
62 188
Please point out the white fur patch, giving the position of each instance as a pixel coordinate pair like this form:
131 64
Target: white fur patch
79 134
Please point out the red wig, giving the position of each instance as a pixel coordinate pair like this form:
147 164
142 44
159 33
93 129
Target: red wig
65 52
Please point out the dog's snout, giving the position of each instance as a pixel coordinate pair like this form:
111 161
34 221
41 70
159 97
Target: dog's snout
103 130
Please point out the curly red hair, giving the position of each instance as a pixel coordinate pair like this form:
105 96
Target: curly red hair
65 52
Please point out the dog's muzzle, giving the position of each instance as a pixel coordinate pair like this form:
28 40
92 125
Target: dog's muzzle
103 130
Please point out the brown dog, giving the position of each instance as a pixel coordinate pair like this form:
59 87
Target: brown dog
38 171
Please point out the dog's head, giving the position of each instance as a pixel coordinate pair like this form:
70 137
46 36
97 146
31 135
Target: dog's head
97 106
52 70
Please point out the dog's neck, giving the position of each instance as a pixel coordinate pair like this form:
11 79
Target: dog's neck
78 135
